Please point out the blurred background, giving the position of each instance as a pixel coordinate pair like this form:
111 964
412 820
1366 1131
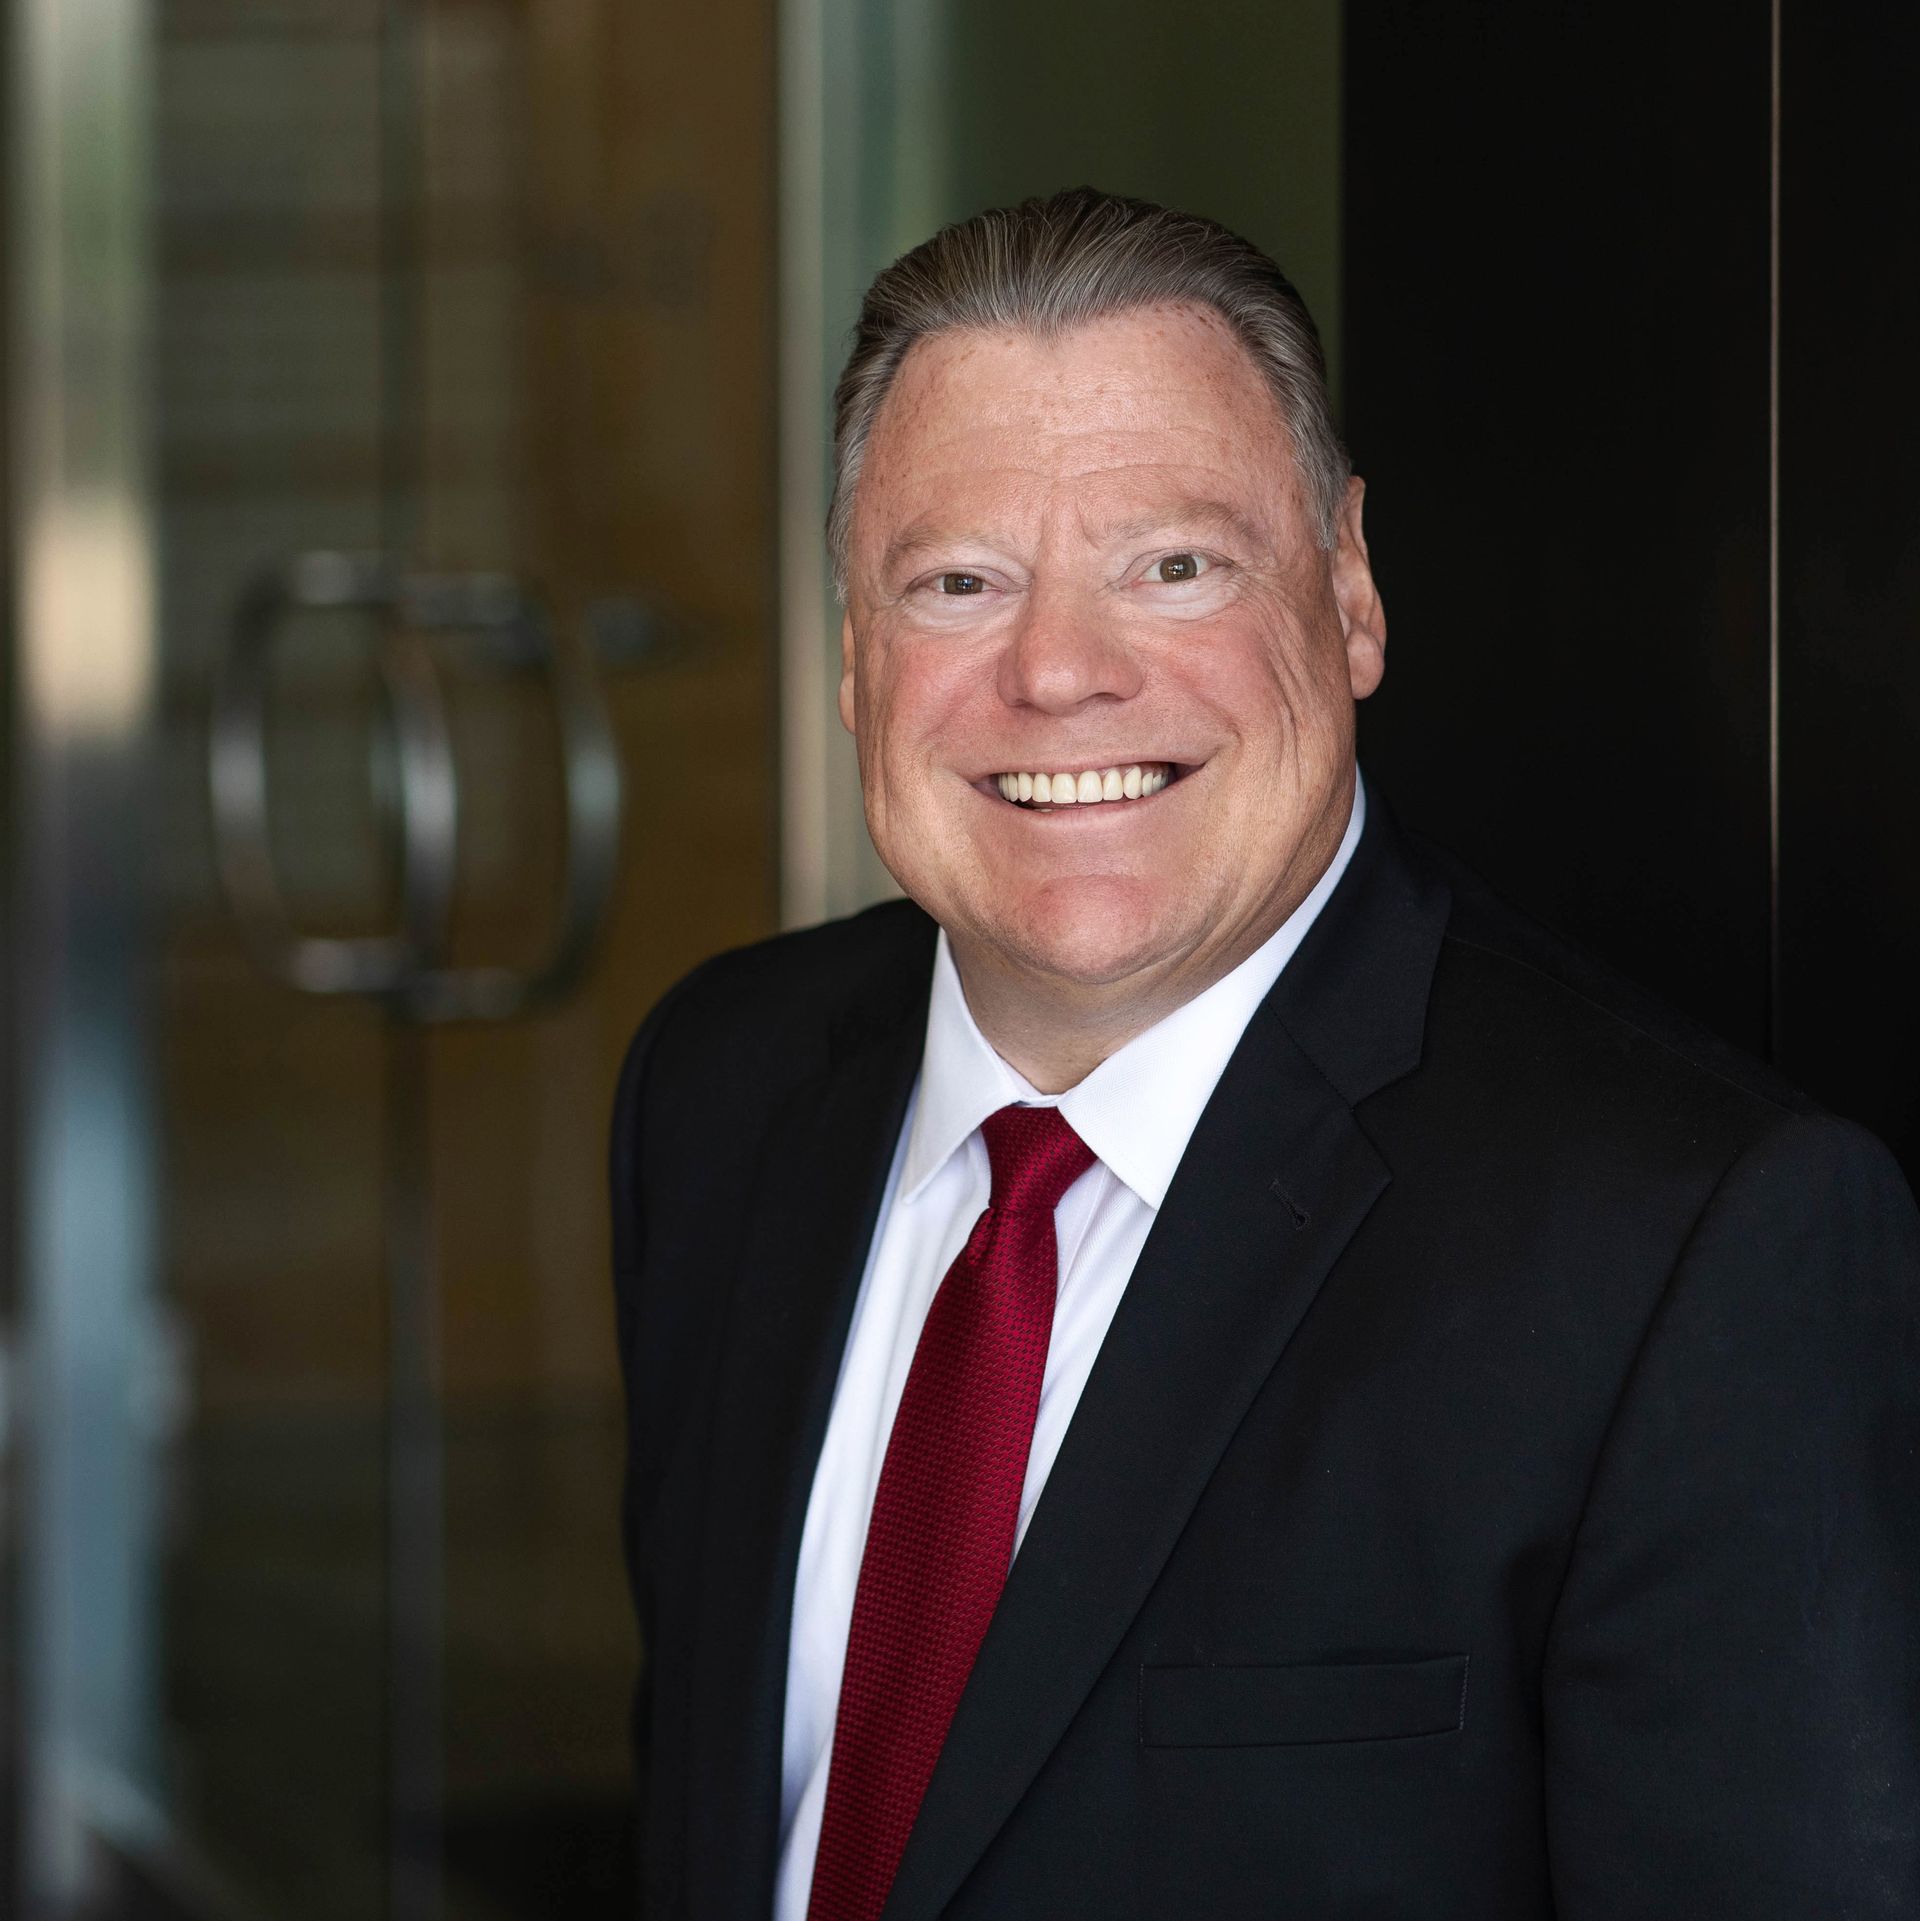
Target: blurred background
418 654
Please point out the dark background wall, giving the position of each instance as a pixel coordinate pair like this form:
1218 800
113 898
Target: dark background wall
1850 564
1559 316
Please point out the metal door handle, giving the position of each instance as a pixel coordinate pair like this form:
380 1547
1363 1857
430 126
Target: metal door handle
514 632
377 965
407 968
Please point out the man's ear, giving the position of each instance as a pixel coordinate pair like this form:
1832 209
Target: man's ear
846 671
1362 619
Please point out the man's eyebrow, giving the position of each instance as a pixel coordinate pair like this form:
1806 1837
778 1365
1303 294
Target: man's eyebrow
919 537
1196 515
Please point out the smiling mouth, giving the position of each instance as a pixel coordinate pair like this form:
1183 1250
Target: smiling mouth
1103 785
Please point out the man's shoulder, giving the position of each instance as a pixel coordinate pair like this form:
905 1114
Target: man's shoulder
772 1009
824 973
1567 1048
1566 1115
1552 987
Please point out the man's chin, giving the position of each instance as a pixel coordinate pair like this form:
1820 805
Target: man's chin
1095 937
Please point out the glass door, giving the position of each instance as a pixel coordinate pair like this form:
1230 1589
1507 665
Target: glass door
456 355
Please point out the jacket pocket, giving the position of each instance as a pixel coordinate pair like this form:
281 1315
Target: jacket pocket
1247 1707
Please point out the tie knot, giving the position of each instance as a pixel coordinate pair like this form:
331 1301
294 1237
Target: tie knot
1035 1155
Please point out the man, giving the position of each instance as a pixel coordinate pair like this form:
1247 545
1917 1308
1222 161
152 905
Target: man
1200 1365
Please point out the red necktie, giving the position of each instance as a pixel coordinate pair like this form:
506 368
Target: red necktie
941 1535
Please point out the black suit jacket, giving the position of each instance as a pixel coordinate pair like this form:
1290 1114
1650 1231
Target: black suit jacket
1495 1497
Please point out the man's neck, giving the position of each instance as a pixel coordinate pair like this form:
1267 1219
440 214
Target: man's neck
1057 1033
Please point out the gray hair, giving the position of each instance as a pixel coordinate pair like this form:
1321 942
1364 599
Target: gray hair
1053 264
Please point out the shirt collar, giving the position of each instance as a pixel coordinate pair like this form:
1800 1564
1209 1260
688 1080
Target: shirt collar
1139 1107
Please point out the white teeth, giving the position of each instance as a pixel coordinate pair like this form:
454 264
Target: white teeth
1132 782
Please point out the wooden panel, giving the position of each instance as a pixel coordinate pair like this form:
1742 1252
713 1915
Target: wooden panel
626 155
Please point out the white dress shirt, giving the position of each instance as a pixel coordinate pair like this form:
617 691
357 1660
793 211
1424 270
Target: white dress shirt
1136 1110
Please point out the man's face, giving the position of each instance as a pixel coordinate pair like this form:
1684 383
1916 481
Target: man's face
1079 558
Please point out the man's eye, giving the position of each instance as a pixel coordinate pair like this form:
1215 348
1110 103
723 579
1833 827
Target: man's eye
1173 568
961 584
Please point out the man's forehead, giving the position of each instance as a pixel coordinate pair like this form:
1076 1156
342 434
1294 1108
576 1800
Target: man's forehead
1128 428
1145 388
1140 370
1190 487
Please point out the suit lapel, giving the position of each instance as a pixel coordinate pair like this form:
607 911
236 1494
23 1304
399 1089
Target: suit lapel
811 1215
1277 1178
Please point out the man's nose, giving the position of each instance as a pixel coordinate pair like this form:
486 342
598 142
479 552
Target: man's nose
1064 651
